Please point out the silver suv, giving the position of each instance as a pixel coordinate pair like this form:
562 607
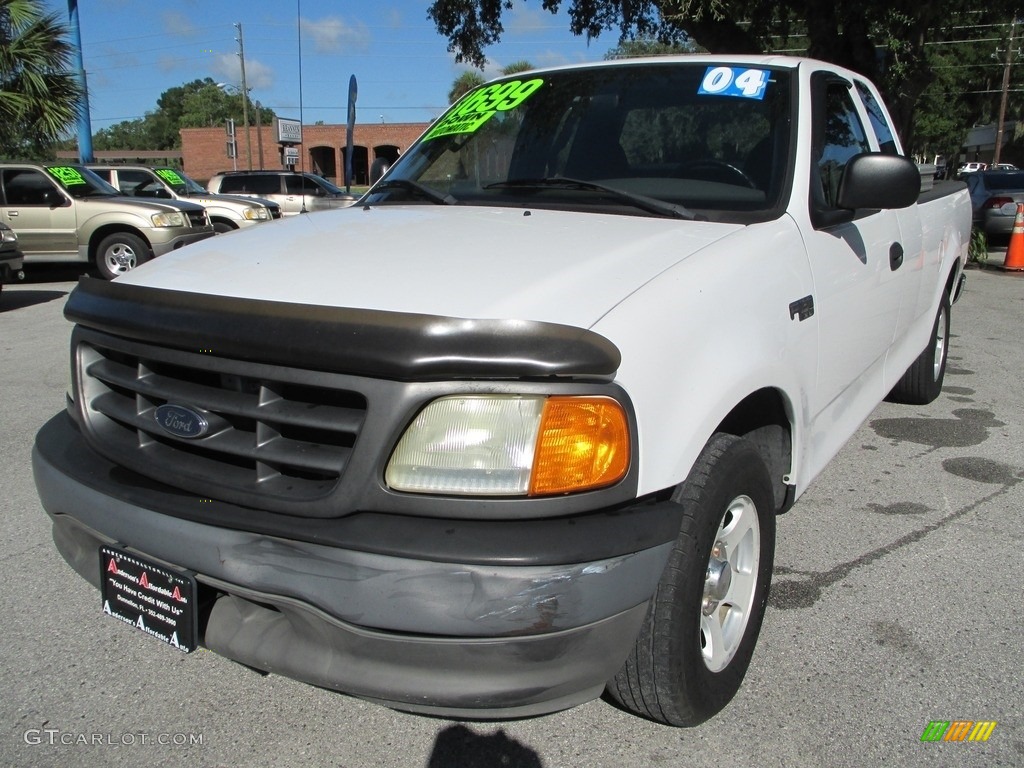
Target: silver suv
226 212
68 213
295 192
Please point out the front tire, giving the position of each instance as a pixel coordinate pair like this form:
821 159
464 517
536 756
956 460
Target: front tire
697 641
922 382
119 253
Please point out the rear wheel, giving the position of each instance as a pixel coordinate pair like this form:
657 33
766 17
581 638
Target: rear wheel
705 617
922 382
119 253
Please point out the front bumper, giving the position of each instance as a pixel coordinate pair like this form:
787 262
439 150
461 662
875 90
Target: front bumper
473 636
166 239
11 266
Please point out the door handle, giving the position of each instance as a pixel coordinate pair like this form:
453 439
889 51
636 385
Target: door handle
895 256
12 214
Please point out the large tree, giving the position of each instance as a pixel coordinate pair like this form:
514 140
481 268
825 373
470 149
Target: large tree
197 104
885 40
39 94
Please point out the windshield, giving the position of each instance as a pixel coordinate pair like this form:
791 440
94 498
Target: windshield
699 137
179 182
80 182
331 188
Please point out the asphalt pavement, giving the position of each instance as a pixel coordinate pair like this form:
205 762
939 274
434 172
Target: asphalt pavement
897 601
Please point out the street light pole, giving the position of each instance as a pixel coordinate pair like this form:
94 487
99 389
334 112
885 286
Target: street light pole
245 96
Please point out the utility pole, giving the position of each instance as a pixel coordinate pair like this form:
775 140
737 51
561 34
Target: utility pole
245 96
1006 90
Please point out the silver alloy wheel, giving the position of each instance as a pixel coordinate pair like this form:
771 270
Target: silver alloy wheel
730 583
120 258
940 344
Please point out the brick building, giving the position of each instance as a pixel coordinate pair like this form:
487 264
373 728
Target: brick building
204 150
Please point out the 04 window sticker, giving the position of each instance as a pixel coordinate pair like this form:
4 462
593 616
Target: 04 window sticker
482 104
734 81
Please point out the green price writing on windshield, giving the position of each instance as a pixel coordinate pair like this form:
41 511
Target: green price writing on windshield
482 104
170 177
66 175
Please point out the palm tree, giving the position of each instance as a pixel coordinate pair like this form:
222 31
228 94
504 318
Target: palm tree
463 84
471 79
39 94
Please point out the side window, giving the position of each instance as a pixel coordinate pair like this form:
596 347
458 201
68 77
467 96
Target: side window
141 184
844 137
28 187
254 184
262 185
879 124
302 185
132 182
231 184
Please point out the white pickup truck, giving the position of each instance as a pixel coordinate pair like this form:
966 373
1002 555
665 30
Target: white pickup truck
515 428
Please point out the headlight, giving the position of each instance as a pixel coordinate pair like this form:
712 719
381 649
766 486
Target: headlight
256 214
512 445
175 219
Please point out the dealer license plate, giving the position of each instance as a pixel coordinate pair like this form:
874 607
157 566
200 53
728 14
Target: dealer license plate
152 598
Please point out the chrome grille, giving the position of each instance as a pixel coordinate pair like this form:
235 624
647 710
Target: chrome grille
270 436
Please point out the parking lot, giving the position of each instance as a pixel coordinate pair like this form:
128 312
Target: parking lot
897 601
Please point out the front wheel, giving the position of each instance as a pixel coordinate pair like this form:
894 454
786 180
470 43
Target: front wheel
701 628
119 253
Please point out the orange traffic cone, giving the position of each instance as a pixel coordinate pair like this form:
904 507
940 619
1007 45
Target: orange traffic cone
1015 252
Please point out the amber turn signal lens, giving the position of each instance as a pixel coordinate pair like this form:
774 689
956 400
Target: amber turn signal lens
583 444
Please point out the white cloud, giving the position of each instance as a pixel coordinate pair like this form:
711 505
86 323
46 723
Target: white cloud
179 24
529 22
334 35
228 69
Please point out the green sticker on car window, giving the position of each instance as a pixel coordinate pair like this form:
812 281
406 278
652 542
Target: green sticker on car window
171 177
481 105
66 175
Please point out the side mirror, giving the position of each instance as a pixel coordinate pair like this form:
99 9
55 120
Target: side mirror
875 180
55 199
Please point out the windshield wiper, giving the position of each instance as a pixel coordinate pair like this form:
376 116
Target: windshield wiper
414 186
643 202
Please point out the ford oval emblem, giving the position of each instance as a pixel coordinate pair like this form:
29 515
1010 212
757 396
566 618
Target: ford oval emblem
180 421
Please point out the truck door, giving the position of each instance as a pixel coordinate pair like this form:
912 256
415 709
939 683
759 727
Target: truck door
41 214
920 265
856 267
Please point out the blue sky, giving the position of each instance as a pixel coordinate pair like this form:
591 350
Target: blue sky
134 50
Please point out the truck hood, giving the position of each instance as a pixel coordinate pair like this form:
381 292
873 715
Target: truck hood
470 262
